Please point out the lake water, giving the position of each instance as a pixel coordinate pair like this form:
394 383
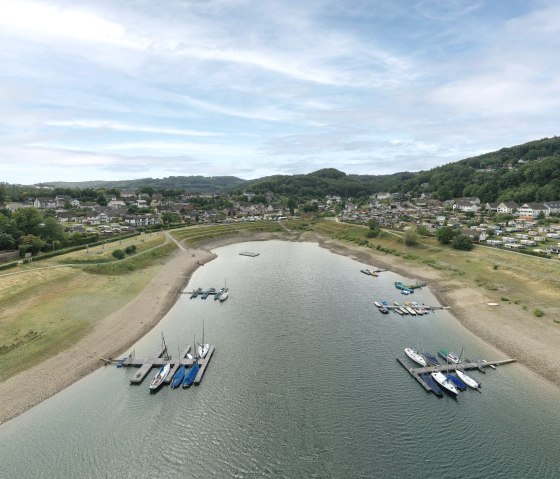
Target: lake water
303 383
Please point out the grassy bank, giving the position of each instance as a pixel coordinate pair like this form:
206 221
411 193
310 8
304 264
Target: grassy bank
519 281
46 309
195 235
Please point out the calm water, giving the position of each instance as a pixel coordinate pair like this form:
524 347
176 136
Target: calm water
304 383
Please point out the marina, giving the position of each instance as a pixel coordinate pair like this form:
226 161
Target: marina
423 374
161 359
219 294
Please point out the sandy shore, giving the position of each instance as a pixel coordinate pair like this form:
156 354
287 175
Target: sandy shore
533 345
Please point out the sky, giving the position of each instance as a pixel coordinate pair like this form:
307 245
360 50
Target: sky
113 90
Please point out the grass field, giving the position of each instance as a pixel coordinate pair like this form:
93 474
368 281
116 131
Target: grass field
48 307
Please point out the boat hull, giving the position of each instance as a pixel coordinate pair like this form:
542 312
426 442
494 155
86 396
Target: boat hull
160 377
445 384
415 356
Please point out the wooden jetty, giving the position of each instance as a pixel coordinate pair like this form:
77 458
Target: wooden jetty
416 372
203 365
161 359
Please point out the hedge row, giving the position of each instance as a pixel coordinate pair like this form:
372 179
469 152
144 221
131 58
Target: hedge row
13 264
78 248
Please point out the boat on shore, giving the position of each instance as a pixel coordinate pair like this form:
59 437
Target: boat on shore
449 356
178 377
160 377
415 356
467 379
400 285
445 383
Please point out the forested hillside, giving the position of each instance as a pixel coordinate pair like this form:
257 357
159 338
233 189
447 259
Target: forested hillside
194 184
529 172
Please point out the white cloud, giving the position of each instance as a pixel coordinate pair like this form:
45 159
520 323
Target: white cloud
26 17
118 126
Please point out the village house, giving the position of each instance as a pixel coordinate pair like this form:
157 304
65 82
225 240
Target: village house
507 207
466 206
44 203
530 211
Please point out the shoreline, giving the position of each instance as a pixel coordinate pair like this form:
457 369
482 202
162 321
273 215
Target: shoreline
118 332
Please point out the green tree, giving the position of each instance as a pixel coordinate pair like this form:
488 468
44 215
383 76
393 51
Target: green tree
445 234
32 243
411 238
423 231
462 242
504 218
28 220
118 254
168 217
292 205
51 230
7 242
374 229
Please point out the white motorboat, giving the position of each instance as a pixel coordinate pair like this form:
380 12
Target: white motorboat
445 383
160 376
415 356
467 379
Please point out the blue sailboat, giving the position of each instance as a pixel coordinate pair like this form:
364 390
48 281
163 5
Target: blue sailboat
178 377
190 376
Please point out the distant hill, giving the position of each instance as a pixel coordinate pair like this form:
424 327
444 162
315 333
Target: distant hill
194 184
523 173
328 181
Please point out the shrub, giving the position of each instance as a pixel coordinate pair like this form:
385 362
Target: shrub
462 243
504 298
118 254
8 265
130 249
538 313
411 238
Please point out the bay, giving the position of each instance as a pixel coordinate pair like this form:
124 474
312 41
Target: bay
303 383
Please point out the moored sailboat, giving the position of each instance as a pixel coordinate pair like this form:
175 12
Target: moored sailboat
415 356
178 377
191 375
445 383
160 377
467 379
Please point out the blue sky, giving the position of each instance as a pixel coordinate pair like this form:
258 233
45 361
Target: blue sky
106 89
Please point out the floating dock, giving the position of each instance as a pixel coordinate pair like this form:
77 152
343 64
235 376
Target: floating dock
161 359
423 374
